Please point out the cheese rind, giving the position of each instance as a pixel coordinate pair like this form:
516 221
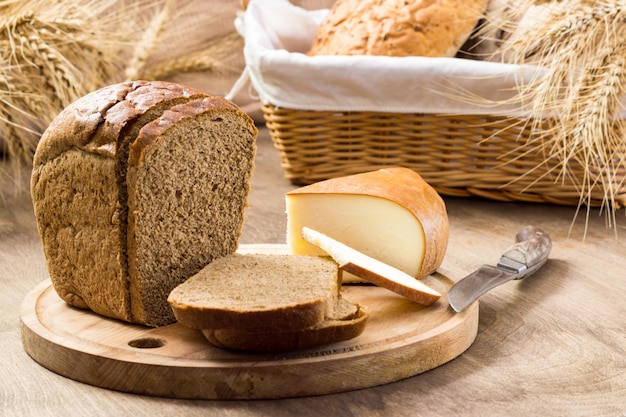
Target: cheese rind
391 215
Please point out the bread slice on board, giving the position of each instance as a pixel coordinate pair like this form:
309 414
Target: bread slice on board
348 322
258 293
117 243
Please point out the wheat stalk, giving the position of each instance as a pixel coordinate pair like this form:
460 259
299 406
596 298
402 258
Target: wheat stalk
214 58
52 53
580 47
149 41
178 31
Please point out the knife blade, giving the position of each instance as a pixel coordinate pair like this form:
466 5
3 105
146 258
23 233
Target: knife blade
529 253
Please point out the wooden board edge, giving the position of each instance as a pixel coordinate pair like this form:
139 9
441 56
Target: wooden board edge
192 382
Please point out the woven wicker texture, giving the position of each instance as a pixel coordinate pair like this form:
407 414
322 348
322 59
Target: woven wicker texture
490 157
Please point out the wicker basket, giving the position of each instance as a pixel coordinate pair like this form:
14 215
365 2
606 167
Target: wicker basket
469 155
421 115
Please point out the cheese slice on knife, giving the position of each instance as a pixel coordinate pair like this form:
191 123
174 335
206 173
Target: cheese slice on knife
372 270
391 215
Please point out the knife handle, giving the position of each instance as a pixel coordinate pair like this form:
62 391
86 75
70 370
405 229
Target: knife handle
531 249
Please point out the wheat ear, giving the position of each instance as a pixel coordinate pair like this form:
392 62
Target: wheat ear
149 42
212 58
52 53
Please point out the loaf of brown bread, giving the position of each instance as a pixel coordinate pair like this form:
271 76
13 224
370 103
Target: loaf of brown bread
136 187
433 28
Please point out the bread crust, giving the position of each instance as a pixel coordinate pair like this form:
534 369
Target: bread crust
433 28
292 317
142 98
93 122
76 124
150 134
327 332
406 188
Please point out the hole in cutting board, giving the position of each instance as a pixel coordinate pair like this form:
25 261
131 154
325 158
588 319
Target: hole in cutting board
147 343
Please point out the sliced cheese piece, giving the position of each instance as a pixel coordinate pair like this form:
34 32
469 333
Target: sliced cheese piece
372 270
391 215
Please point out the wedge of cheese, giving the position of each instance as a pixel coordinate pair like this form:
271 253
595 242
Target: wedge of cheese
391 215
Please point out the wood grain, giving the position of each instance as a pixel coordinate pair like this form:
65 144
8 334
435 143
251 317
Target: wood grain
175 361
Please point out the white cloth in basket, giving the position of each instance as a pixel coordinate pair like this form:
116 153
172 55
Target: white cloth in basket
278 34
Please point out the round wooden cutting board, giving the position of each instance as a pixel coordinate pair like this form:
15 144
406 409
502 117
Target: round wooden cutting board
401 339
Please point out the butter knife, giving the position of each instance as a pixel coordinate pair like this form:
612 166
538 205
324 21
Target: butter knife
529 253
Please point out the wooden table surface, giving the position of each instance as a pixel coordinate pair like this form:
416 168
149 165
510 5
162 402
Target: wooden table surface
553 344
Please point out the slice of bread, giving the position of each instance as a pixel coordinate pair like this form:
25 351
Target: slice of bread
348 322
258 293
117 243
188 178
